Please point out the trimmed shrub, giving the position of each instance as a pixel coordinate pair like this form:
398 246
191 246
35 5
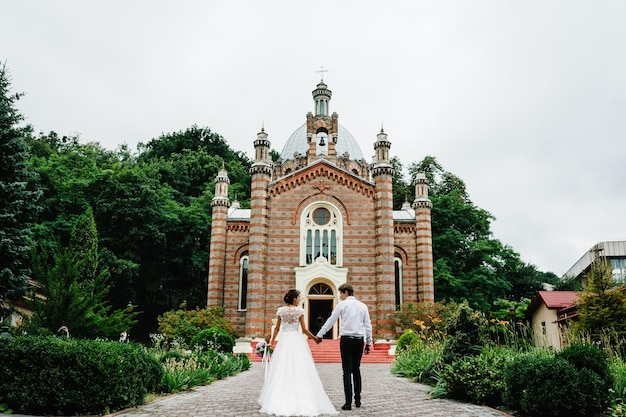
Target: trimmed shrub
539 385
591 358
54 376
593 366
548 385
214 338
408 338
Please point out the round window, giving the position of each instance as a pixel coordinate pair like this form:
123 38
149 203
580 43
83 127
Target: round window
321 216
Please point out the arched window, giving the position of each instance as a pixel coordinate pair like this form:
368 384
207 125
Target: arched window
320 289
397 263
321 234
243 281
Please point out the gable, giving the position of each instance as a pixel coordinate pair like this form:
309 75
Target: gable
317 174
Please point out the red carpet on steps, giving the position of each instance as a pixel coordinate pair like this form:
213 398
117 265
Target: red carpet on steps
328 352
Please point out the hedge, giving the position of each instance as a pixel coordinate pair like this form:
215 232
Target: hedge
61 376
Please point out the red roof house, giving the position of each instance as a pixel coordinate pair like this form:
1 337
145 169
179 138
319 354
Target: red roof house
548 313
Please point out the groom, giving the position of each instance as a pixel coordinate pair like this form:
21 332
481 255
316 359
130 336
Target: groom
355 320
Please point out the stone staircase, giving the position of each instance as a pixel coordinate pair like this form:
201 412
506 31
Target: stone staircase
328 352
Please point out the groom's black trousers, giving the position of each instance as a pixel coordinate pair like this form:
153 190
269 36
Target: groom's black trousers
351 353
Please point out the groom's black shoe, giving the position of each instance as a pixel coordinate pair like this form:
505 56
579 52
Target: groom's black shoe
346 406
357 404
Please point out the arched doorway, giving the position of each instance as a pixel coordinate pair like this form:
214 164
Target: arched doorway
321 300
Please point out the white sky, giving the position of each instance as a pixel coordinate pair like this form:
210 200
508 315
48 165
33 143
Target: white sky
525 101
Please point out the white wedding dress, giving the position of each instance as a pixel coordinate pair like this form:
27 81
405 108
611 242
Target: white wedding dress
292 386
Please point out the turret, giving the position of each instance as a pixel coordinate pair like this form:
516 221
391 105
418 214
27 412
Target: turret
382 146
221 188
321 96
424 240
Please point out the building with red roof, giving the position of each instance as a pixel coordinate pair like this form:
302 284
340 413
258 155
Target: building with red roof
548 313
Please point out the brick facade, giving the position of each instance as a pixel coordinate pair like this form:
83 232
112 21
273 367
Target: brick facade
272 234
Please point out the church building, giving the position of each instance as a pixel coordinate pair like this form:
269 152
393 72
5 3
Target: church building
320 216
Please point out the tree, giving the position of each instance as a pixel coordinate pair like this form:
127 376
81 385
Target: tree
74 289
67 170
18 200
469 264
193 148
402 191
152 211
601 306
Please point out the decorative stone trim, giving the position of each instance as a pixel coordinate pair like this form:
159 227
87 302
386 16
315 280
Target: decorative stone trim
220 201
326 172
238 227
404 228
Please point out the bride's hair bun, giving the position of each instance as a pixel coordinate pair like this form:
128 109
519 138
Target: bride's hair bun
291 296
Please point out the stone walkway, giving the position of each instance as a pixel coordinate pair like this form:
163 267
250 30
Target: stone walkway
384 395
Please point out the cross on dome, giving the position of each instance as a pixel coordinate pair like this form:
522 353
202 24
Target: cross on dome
322 71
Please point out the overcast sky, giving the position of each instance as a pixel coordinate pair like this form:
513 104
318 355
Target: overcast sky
525 101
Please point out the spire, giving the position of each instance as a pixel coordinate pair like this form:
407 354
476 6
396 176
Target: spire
381 146
221 188
321 96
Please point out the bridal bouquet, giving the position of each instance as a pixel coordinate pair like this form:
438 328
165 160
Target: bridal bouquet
261 347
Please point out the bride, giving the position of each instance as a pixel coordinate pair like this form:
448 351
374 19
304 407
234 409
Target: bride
292 386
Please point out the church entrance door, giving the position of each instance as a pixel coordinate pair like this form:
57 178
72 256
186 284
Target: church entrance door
319 311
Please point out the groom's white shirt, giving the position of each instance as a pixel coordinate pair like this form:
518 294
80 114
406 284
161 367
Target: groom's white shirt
355 320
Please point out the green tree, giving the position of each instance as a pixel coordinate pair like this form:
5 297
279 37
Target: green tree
154 238
469 264
18 200
601 307
200 143
74 289
568 283
402 191
67 170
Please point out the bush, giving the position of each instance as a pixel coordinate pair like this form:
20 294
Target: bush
477 379
466 335
408 339
54 376
594 360
549 385
539 384
591 358
214 339
185 324
430 315
416 362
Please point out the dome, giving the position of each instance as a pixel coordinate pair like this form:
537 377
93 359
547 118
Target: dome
297 143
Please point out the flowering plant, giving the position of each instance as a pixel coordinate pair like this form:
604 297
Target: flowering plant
261 347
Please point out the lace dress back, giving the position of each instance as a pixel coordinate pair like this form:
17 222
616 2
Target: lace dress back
290 318
292 386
